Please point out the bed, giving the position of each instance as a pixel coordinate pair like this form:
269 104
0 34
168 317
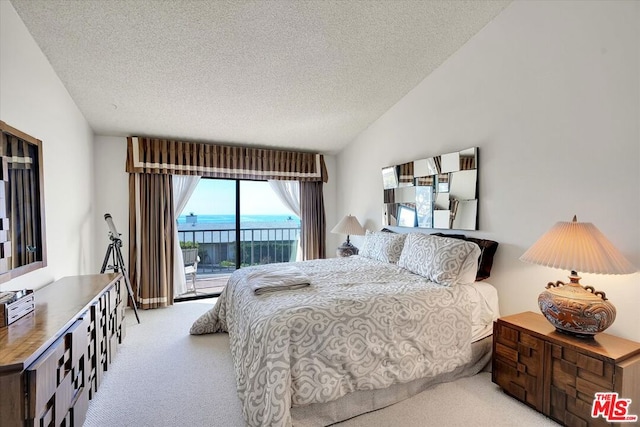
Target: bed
317 342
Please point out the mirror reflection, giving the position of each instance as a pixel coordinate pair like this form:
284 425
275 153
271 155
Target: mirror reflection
436 192
389 178
405 175
450 162
21 204
424 205
400 214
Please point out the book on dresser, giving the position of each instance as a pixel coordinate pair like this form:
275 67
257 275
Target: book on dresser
559 375
52 360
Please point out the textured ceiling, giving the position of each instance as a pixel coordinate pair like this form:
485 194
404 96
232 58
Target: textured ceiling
305 74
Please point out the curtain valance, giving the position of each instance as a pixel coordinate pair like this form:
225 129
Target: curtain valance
161 156
18 152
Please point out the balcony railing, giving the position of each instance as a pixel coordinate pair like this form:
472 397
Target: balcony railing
217 247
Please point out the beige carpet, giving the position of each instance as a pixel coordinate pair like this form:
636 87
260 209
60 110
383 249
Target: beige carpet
162 376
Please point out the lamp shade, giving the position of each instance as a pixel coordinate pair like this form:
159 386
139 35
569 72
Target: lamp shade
349 226
580 247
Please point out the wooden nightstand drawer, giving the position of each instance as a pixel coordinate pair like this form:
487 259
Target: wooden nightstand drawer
517 364
575 378
558 374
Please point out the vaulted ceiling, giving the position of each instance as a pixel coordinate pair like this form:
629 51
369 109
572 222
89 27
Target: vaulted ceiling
284 73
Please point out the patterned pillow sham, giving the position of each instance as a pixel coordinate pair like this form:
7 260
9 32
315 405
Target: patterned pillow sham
442 260
488 250
385 247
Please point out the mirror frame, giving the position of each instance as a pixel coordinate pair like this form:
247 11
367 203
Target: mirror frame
425 185
27 268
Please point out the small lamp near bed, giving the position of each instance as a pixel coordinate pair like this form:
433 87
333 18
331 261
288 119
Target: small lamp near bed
577 246
349 226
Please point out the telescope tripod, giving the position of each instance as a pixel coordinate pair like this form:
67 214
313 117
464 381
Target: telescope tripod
114 252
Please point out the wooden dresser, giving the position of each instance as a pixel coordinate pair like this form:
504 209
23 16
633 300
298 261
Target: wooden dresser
558 374
52 360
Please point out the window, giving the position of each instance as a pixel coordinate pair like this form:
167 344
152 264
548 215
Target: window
237 223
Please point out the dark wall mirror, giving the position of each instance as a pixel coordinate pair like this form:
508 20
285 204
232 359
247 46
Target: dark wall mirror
22 224
438 192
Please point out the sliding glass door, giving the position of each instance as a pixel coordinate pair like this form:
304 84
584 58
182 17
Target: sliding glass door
236 223
269 231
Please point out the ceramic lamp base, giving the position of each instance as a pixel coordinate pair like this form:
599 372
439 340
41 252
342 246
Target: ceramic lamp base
346 249
576 310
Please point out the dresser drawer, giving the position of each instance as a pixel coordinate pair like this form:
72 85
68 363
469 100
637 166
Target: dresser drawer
575 378
517 364
42 380
57 378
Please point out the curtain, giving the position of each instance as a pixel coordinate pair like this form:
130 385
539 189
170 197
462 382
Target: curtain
21 204
313 233
289 194
467 162
22 217
405 173
151 239
161 156
151 163
183 187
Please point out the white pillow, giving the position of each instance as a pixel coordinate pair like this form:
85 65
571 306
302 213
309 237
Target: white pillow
442 260
383 246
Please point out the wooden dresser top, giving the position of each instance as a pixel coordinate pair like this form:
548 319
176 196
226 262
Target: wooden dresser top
604 345
57 307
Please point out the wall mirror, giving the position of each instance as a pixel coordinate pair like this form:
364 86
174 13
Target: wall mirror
22 224
438 192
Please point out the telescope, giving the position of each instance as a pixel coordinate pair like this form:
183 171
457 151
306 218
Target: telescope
113 232
114 254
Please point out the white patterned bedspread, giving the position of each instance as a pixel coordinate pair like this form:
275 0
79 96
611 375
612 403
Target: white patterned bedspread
361 325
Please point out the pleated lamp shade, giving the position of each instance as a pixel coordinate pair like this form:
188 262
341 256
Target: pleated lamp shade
349 226
580 247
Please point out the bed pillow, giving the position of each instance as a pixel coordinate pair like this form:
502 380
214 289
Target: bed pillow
442 260
488 250
385 247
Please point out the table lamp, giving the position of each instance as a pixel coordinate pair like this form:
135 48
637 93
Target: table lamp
577 246
348 225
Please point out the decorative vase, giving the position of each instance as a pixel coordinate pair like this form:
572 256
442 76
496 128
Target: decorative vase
346 250
576 310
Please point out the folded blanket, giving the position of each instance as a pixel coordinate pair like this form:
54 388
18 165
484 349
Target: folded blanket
286 277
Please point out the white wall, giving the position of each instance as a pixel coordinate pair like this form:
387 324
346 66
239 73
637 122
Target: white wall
112 195
34 100
332 213
549 92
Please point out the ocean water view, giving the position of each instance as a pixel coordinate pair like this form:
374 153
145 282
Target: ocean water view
262 238
214 230
193 222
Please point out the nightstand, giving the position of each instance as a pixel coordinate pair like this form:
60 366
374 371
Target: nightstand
558 374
